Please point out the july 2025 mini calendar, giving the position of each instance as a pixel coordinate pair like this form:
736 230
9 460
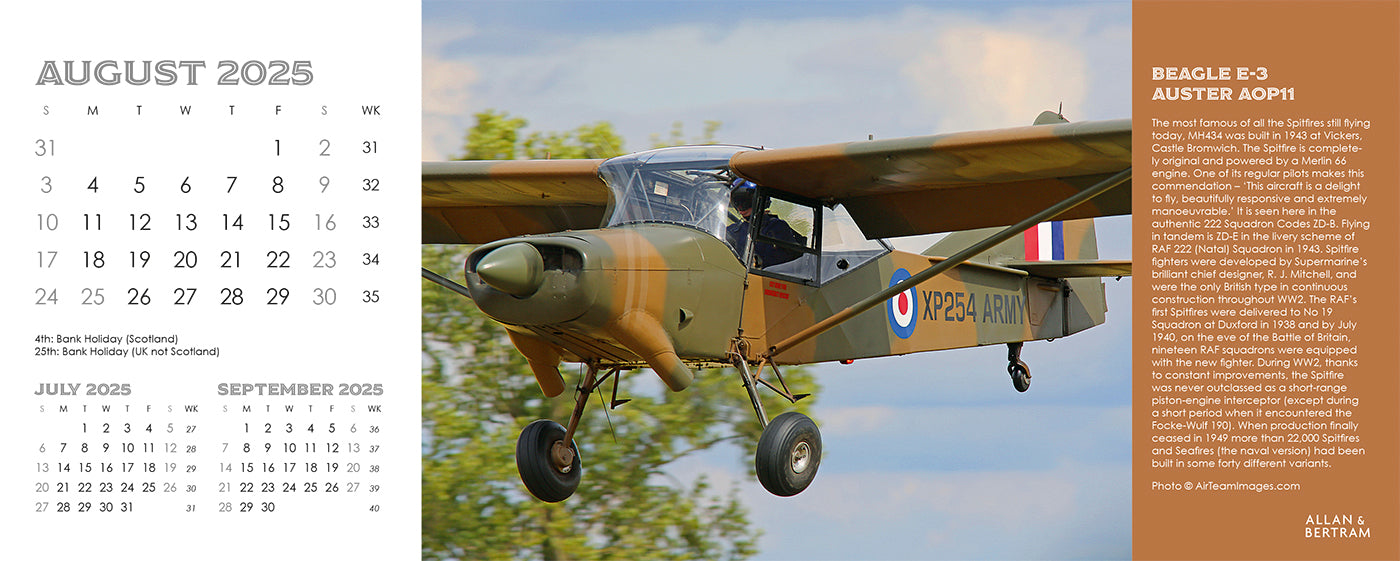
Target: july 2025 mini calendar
211 312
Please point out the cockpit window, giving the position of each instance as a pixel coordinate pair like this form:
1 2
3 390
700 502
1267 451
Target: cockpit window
686 185
844 247
773 233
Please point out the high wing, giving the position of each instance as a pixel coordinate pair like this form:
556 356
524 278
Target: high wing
483 201
959 181
892 188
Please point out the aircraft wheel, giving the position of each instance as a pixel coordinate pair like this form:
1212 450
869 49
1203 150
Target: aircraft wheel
789 452
1020 376
535 459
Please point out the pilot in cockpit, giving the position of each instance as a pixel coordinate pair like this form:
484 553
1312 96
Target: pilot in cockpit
765 254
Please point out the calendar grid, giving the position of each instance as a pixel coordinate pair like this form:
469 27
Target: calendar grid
211 342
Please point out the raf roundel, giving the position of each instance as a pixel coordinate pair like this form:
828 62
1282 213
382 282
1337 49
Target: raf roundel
902 308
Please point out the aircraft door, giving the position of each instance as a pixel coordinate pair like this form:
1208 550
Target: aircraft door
781 234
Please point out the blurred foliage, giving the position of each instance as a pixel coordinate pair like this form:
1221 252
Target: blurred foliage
478 394
497 136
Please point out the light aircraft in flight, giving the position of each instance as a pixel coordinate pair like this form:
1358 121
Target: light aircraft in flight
702 256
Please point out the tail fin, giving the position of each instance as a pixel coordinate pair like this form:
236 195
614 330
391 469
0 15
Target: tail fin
1068 240
1063 253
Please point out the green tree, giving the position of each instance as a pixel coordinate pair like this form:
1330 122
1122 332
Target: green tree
478 393
597 140
497 136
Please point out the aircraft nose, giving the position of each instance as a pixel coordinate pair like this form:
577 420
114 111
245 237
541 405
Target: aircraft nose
516 269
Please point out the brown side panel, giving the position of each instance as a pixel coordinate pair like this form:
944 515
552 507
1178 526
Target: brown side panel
966 307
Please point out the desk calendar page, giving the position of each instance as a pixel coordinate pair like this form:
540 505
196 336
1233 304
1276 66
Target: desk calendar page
211 229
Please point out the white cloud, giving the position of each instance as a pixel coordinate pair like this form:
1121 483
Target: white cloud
795 81
447 86
447 105
449 89
855 420
976 75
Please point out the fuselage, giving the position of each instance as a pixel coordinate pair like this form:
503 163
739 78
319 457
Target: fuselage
665 283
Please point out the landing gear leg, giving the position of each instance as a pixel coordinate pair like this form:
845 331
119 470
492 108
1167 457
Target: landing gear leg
546 456
790 448
751 386
1020 373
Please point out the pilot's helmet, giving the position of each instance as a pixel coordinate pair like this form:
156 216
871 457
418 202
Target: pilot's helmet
741 194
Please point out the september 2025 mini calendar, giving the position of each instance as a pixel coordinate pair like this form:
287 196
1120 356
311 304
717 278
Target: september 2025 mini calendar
211 312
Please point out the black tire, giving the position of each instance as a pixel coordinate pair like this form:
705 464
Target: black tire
534 460
789 452
1020 376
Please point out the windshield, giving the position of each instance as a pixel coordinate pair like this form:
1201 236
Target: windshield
684 185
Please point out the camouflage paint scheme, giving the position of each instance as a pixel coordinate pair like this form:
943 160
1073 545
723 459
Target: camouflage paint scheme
674 276
893 188
671 297
657 274
981 302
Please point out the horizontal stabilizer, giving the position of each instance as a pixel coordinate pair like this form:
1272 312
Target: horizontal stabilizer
1074 268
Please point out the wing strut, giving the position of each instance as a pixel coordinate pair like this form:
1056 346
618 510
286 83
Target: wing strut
445 282
957 259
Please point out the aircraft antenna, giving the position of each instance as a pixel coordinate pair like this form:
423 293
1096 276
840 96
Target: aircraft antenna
1061 111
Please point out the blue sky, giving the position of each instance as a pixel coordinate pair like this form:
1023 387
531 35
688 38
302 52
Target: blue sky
928 456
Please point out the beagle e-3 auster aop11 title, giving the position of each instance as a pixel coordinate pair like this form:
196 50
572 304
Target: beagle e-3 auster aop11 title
695 256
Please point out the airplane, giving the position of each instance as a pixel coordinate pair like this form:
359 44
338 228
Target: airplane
705 256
